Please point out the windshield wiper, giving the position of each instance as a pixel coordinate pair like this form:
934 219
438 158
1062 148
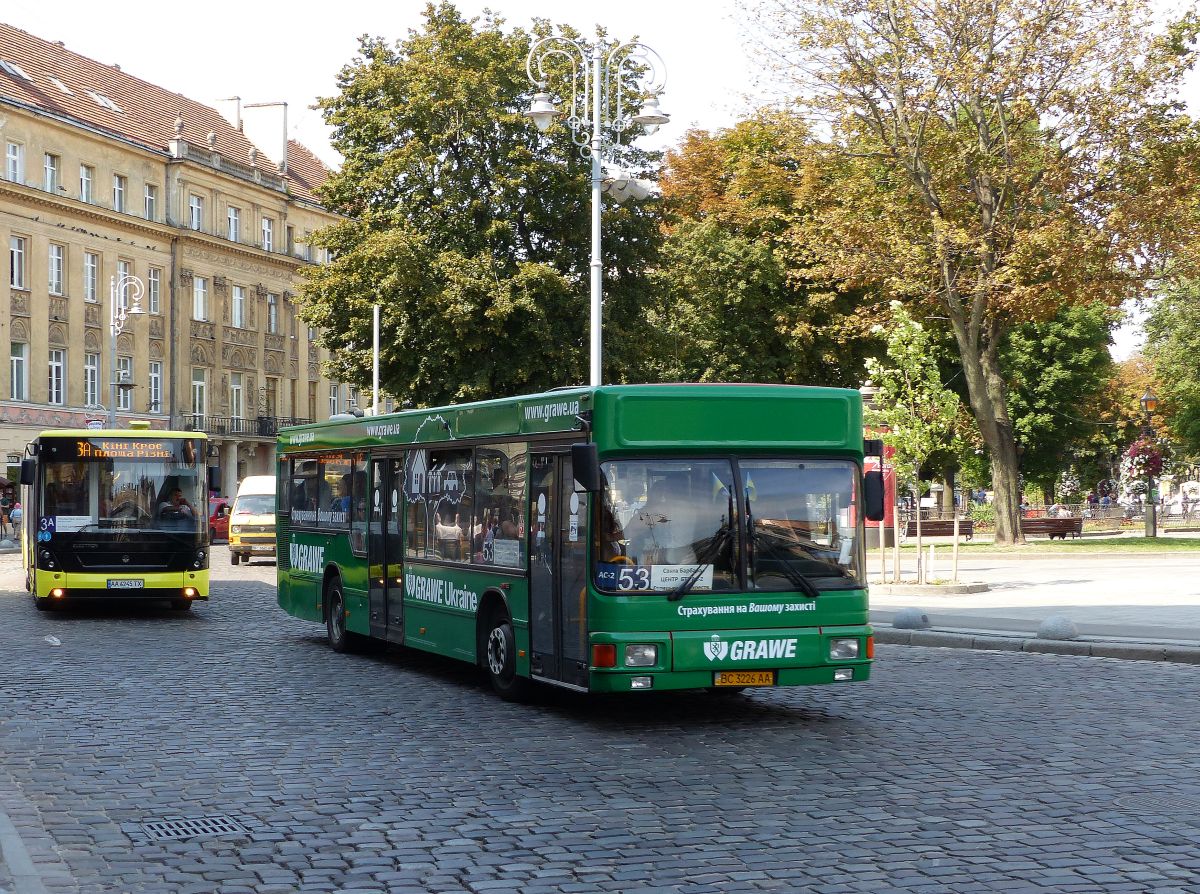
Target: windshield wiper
798 580
717 544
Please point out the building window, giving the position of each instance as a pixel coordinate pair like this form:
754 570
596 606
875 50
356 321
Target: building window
16 261
119 184
91 380
333 399
50 172
91 276
154 290
155 396
268 233
352 398
150 195
272 314
312 401
237 309
124 275
236 408
196 212
234 224
18 388
87 176
271 397
15 169
199 386
125 374
54 275
55 393
199 298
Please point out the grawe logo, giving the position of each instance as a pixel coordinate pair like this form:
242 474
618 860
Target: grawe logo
749 649
714 649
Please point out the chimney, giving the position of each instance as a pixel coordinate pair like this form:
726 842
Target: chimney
265 125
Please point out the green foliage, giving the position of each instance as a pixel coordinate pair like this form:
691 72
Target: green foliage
1058 372
984 514
1173 346
466 225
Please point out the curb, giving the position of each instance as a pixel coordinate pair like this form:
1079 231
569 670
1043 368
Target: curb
928 589
1127 651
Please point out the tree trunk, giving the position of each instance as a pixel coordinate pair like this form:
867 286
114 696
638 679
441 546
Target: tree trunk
978 349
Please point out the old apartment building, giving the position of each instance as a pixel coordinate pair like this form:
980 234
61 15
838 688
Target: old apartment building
107 178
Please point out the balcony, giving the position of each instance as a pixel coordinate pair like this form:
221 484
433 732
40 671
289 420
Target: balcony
238 426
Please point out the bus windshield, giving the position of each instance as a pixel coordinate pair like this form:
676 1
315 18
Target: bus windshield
98 484
723 525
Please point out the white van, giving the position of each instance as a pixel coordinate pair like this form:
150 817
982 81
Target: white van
252 522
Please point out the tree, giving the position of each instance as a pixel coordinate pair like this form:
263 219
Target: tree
726 307
1172 346
915 413
1058 374
995 160
466 225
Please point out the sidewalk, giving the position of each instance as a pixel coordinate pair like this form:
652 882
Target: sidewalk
1133 605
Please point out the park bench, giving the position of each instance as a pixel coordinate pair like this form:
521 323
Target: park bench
941 527
1053 527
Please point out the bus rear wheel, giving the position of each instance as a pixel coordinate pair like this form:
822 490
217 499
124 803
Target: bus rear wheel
500 661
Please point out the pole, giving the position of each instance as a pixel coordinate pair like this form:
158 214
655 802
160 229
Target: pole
375 362
597 261
112 354
1151 521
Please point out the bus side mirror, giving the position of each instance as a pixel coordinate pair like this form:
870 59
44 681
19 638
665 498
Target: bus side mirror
28 470
873 495
585 466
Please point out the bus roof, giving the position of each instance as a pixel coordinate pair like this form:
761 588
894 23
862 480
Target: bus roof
621 418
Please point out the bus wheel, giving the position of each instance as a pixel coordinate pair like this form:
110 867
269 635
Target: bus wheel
181 605
43 605
340 639
234 558
500 658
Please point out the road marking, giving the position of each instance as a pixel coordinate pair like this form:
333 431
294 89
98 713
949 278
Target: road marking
26 879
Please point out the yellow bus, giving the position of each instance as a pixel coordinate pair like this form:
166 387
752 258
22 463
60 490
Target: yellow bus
115 513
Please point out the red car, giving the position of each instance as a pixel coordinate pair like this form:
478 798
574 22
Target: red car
218 519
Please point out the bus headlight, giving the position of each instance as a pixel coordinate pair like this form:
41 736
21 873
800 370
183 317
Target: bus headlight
235 529
842 649
641 655
199 561
47 558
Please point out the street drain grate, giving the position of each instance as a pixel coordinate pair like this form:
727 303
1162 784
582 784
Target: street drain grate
1160 804
177 829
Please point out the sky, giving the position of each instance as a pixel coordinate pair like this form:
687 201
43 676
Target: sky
266 52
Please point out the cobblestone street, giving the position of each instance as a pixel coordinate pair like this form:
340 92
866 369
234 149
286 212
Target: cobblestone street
951 770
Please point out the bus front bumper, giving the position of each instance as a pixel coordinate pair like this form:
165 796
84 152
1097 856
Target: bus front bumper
734 659
129 585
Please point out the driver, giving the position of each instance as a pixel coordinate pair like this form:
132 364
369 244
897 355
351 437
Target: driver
177 506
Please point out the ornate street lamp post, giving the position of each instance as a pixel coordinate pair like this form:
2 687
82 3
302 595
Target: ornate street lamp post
600 74
1149 405
124 301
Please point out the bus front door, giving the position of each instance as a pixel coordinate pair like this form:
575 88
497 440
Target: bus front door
558 571
385 549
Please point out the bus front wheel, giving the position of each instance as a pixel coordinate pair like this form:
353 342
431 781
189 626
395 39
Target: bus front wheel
500 661
234 558
340 639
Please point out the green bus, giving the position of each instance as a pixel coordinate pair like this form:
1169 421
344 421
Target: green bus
610 539
115 513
